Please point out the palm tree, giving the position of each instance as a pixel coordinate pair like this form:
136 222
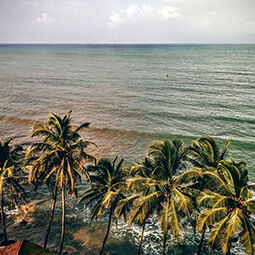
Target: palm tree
10 165
108 180
167 186
133 207
9 184
228 207
58 160
205 153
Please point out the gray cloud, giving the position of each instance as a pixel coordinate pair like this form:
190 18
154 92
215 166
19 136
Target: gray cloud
84 21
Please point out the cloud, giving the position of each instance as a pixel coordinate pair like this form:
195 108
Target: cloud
131 13
127 21
115 20
135 10
132 10
167 11
144 13
44 18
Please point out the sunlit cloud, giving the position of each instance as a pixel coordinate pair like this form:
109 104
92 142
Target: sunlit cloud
169 11
115 20
135 10
144 13
44 18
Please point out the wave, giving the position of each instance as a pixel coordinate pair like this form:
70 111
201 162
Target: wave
233 73
115 134
128 144
17 120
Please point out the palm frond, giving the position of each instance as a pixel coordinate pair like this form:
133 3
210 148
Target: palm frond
183 202
174 220
247 235
84 125
217 233
125 204
234 226
192 175
228 142
209 216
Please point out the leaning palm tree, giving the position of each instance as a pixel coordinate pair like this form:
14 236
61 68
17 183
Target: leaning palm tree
134 207
9 184
108 180
228 207
167 186
205 153
58 160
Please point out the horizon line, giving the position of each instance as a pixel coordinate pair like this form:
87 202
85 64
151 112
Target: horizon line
126 43
118 43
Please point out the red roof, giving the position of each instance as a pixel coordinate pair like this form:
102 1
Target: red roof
12 249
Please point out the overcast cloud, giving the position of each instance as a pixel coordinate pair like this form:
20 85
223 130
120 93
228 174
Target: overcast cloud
120 21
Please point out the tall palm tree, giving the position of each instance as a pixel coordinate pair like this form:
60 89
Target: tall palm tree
108 180
136 209
167 186
228 207
205 153
58 160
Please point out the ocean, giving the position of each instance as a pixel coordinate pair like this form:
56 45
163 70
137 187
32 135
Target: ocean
131 95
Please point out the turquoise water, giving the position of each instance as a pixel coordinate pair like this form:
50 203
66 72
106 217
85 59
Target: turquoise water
132 94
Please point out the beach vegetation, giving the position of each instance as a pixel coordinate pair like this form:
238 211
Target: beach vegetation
164 188
58 160
10 177
204 154
198 185
108 179
227 207
134 207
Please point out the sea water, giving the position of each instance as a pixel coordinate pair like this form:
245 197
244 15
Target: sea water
131 95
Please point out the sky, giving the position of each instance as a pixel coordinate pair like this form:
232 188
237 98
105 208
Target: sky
127 21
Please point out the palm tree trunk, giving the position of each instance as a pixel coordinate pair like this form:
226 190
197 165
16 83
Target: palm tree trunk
141 239
14 199
194 223
63 220
3 215
229 248
201 242
108 230
51 218
116 223
164 244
